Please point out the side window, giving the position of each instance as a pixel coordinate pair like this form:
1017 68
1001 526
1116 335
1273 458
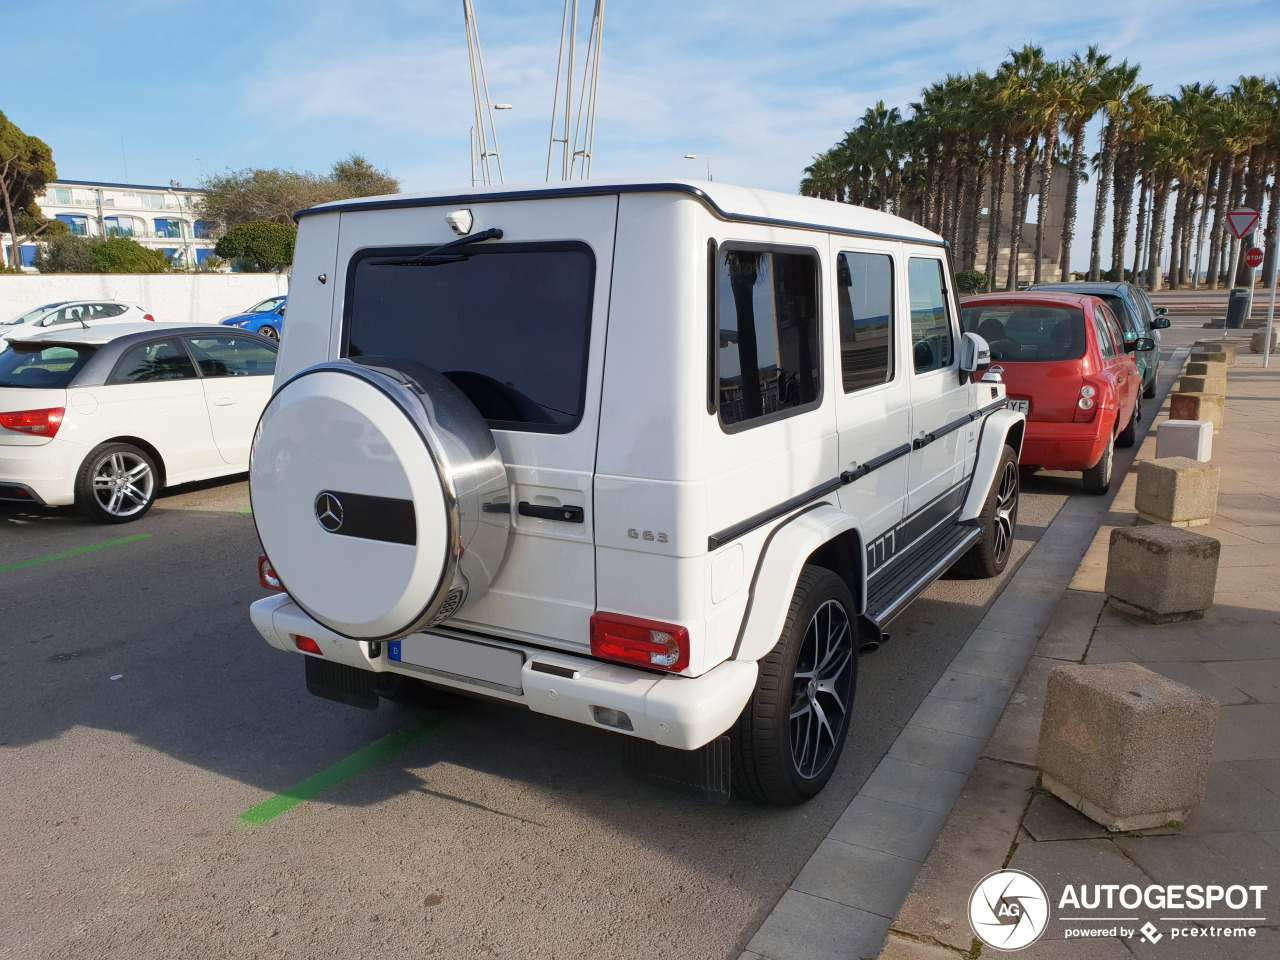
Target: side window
1109 335
770 351
232 356
866 319
149 362
931 342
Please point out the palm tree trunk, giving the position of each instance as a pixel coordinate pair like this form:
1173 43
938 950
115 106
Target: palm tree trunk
1046 179
973 205
1159 207
1110 140
1175 240
1018 227
1122 204
1140 235
1015 234
999 170
1273 224
1189 232
962 200
1218 233
1237 188
1204 219
1073 188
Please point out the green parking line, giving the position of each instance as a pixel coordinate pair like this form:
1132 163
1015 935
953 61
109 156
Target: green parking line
72 553
245 510
362 759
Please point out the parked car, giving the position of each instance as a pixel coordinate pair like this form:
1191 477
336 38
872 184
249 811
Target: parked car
1067 366
79 312
106 416
1138 318
685 536
265 318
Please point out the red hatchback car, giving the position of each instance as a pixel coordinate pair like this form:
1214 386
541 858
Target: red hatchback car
1066 365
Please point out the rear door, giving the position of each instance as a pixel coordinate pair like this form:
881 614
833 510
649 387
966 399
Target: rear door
236 374
940 400
873 397
518 324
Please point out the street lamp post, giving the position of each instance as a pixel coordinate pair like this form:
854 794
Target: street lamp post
485 153
699 156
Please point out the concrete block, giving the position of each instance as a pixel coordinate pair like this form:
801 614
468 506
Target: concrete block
1208 355
1185 438
1161 574
1259 338
1227 347
1125 746
1197 406
1205 369
1179 491
1214 385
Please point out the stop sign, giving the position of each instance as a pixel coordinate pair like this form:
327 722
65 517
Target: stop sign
1253 259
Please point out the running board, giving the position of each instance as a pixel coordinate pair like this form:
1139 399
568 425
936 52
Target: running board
889 594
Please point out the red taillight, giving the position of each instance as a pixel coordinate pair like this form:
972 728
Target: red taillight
307 645
147 316
39 423
267 576
646 643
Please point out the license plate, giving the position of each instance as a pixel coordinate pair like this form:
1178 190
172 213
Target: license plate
1021 406
461 660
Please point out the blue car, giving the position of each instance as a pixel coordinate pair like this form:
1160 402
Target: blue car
265 318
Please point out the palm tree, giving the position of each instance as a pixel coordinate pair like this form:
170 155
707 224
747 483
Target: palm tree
1082 104
1020 97
1114 86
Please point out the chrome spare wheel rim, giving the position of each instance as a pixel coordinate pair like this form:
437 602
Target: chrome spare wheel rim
822 689
1006 507
123 484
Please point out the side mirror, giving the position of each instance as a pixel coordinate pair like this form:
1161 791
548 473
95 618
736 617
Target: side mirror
1139 343
975 353
1161 322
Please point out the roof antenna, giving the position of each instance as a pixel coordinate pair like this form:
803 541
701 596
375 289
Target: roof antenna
484 107
582 142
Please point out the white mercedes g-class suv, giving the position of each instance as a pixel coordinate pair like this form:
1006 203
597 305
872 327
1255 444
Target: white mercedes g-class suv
659 458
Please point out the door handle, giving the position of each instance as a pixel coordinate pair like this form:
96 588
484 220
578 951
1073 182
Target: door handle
565 514
223 402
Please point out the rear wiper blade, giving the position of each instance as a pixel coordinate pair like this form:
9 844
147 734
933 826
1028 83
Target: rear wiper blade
431 256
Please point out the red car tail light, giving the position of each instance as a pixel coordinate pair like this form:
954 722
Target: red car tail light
307 645
147 316
645 643
1086 403
39 423
267 576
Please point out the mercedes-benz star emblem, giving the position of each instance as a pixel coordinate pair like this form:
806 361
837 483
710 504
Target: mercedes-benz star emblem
329 512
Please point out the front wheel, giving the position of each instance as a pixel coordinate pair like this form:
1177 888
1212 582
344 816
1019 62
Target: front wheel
269 332
789 737
117 483
998 521
1097 479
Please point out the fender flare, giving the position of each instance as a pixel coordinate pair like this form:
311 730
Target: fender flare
782 558
1000 427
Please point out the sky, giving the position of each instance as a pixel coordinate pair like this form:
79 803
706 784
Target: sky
146 91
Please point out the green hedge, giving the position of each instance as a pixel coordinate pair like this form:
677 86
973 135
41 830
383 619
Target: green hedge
269 245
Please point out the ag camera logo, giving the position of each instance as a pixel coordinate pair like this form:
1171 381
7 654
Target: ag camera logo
1008 910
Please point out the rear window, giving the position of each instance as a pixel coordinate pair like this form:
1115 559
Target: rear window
1025 334
509 324
42 366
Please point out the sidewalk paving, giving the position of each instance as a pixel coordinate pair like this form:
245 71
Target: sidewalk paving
1002 820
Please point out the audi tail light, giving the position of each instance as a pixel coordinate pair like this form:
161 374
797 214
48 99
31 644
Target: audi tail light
267 576
37 423
642 643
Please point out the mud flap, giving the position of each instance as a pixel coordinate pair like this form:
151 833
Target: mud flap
337 681
703 773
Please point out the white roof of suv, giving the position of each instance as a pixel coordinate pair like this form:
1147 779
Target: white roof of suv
726 200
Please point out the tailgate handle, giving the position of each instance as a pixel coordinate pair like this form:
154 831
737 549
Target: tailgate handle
568 514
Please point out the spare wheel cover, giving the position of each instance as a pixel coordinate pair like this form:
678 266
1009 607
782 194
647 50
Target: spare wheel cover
354 483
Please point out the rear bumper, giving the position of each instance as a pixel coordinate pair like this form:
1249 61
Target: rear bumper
46 471
680 712
1066 446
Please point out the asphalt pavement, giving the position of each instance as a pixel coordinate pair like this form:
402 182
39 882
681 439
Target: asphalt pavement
141 717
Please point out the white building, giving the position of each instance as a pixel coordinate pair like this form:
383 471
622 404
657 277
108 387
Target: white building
160 218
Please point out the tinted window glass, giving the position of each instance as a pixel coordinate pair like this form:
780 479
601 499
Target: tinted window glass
508 324
1128 322
1109 333
266 306
1027 334
866 319
40 365
769 347
157 360
930 316
232 356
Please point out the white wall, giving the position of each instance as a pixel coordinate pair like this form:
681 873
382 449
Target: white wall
176 298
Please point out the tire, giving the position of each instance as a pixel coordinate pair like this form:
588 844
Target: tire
999 522
269 332
1097 479
781 755
1149 392
1129 434
117 483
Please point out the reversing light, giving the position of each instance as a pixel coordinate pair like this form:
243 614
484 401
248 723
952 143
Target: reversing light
645 643
37 423
1085 403
307 645
267 576
608 717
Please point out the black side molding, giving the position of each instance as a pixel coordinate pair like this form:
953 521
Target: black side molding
875 463
566 514
729 534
